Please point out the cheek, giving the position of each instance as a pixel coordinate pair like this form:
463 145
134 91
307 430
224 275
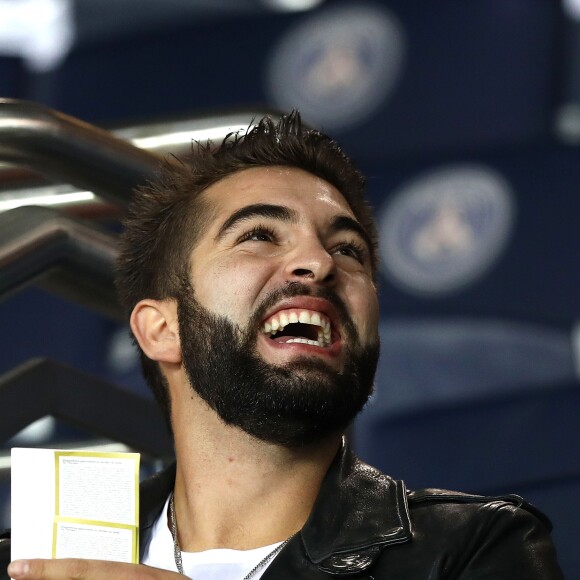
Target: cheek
230 287
364 308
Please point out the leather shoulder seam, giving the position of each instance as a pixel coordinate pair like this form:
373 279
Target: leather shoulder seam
444 496
433 496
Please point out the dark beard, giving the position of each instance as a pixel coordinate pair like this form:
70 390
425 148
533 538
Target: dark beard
294 404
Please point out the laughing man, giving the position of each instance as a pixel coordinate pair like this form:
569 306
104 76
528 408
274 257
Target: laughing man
249 275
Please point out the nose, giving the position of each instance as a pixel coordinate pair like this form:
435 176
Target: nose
310 261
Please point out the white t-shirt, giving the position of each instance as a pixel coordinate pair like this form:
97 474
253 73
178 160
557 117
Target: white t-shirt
221 564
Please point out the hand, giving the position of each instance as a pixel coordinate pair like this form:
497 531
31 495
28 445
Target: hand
77 569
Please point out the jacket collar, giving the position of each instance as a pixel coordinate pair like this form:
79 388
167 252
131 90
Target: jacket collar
358 511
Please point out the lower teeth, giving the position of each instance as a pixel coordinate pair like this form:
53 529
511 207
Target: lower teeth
304 341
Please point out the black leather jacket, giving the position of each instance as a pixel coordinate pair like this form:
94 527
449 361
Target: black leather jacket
366 525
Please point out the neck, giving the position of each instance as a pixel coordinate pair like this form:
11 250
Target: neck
234 491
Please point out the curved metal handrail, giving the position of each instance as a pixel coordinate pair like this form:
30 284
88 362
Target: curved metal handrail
66 256
55 389
67 149
141 146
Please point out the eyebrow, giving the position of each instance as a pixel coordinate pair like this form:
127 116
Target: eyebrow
338 224
248 212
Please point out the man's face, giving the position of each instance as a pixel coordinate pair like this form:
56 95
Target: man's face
279 326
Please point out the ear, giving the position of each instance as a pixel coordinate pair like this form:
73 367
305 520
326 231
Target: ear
154 324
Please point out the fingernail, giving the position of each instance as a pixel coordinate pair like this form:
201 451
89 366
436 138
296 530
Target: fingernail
18 568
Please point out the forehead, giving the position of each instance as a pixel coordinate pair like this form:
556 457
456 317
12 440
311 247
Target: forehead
295 188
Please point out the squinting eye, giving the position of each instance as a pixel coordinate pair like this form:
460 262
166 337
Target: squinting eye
352 251
259 234
260 237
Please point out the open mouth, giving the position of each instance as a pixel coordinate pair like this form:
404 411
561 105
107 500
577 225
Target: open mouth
297 325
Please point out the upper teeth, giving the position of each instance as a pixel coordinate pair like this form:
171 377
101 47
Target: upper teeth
280 320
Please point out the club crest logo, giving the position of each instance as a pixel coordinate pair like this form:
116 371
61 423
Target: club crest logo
443 230
337 66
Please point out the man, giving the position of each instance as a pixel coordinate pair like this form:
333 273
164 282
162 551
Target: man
249 274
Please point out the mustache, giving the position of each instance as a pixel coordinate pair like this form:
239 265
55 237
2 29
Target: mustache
294 289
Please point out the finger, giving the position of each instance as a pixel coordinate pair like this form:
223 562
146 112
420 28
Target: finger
69 568
78 569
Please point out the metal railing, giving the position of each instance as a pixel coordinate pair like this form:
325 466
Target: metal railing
129 152
71 151
71 258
